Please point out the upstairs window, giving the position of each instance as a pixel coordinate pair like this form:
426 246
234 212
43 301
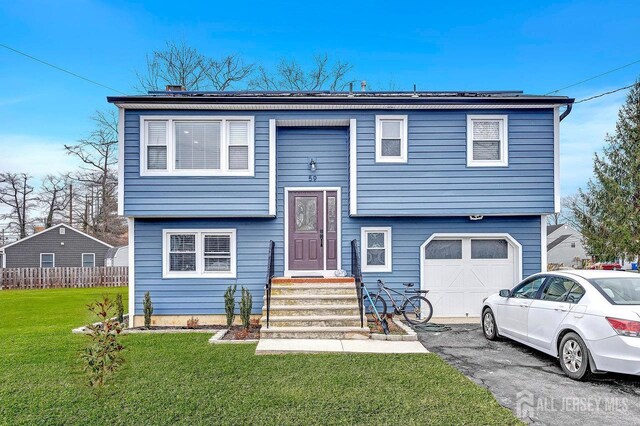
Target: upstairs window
199 253
391 139
197 146
487 141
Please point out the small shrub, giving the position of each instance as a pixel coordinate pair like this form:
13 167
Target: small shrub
119 308
148 309
192 323
246 303
230 304
103 355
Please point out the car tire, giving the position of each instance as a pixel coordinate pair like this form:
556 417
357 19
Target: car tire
573 355
489 327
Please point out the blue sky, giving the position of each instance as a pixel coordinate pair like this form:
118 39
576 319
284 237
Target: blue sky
533 46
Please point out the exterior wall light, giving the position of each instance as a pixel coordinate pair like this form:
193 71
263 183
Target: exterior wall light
313 166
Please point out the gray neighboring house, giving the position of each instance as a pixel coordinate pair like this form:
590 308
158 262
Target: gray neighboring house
58 246
564 246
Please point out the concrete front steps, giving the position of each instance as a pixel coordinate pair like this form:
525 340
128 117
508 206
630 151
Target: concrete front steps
313 308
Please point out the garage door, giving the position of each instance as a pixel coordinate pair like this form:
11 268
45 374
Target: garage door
460 272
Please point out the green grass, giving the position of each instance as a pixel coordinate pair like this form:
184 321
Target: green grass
181 379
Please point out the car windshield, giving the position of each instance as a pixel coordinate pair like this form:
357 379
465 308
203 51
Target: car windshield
619 291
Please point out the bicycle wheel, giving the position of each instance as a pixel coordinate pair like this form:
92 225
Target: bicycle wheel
381 307
417 310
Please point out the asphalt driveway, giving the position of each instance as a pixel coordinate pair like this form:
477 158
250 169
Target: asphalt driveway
532 384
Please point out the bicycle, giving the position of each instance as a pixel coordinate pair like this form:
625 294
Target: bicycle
416 309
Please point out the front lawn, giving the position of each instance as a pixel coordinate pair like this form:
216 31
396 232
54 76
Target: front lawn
181 379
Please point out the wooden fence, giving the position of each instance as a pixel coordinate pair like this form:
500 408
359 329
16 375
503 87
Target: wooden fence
34 278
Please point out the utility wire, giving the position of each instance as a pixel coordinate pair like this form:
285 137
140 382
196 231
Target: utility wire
61 69
604 94
596 76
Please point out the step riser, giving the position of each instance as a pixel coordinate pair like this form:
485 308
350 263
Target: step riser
313 323
292 291
311 312
273 333
287 302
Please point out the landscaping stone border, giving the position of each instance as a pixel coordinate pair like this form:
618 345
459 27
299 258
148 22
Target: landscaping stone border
216 339
410 336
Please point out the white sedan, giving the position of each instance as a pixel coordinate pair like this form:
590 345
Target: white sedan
590 320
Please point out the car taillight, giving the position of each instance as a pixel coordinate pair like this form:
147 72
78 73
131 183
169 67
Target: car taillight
625 327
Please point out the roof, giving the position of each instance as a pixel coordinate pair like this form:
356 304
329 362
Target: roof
508 97
557 241
111 253
50 229
552 228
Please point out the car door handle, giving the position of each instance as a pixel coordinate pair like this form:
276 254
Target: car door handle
560 310
524 306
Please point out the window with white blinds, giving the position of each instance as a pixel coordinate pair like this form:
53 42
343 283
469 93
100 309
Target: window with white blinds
238 132
198 253
391 139
487 142
197 146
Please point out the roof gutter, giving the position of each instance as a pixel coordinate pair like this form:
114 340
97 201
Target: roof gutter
566 111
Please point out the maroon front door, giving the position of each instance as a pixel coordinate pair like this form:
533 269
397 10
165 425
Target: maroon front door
306 230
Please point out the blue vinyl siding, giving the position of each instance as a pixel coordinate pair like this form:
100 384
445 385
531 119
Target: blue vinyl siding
329 147
435 181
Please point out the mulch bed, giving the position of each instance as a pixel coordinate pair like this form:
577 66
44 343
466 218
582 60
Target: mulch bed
237 332
172 327
377 328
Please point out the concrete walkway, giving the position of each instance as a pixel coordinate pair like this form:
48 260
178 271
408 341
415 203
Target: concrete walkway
284 346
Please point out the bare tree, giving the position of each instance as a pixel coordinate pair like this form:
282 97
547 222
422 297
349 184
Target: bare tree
98 178
53 197
184 65
17 194
291 75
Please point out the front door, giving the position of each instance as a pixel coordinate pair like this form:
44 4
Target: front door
306 231
312 228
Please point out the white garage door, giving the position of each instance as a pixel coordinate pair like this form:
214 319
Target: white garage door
460 272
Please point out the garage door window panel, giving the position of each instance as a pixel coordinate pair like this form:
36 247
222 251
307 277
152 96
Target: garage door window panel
489 249
444 249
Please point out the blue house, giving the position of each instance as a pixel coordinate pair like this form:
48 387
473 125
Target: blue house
446 190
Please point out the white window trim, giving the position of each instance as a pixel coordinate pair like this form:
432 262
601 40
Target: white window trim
224 146
404 139
54 259
62 230
387 267
504 141
82 260
199 272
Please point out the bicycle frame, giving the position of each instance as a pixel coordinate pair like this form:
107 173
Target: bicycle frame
383 288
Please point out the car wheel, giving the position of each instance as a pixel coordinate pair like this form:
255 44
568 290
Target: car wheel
489 327
574 357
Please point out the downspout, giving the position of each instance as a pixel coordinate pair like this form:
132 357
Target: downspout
566 111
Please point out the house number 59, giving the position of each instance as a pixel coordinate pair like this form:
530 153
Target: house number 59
313 178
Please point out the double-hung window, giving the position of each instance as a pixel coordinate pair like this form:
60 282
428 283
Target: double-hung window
199 253
197 146
47 260
487 141
391 138
88 260
376 249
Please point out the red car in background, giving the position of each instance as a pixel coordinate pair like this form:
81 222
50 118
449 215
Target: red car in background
606 266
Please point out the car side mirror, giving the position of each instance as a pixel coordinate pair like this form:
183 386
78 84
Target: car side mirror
505 293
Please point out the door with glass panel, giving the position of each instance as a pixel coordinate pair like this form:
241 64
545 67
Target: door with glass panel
313 230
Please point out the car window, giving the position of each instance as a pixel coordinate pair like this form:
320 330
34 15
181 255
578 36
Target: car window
619 290
557 288
528 289
575 294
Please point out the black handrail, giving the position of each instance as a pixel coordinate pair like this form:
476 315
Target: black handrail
270 274
356 273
